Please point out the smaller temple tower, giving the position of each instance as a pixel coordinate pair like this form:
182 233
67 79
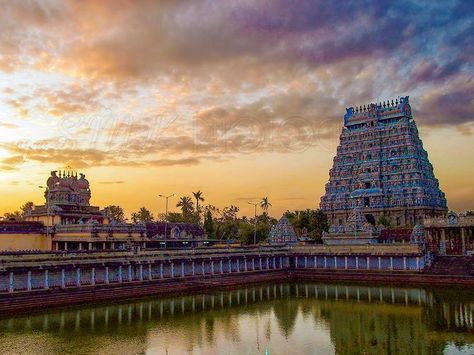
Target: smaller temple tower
283 232
67 201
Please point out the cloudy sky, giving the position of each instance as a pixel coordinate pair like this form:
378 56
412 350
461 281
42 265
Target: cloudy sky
241 99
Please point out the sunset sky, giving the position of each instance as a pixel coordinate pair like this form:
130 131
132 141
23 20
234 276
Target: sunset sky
240 99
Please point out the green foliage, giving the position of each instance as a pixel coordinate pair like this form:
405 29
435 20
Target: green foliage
312 222
26 209
209 225
20 215
173 217
265 205
198 196
142 215
384 221
115 213
186 205
16 215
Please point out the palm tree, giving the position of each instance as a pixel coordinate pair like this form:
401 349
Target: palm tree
265 204
198 197
186 205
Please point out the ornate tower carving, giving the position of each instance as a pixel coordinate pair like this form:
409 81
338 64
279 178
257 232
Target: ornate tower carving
381 165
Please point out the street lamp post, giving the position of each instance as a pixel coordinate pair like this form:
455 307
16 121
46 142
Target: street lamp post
255 204
166 213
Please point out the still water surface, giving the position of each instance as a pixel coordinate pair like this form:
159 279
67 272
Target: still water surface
264 319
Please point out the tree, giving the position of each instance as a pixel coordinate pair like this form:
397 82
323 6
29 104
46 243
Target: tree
209 225
384 221
26 209
315 222
143 215
186 205
265 204
198 197
173 217
115 213
227 224
16 215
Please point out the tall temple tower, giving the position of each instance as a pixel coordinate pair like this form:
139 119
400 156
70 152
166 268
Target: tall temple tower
381 167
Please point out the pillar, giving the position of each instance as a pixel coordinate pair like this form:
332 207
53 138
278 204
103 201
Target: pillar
281 262
140 272
93 276
78 277
230 265
161 270
221 266
80 246
90 246
11 282
325 262
260 261
253 264
63 278
442 246
391 263
368 263
357 262
182 269
172 270
463 241
345 262
28 281
418 263
129 272
245 264
203 268
380 263
267 264
65 245
274 262
335 262
193 268
150 275
120 274
404 263
212 267
315 262
238 265
112 246
107 279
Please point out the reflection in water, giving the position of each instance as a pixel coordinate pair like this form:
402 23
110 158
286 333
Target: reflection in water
280 319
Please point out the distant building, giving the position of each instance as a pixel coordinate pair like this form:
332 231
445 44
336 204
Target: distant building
67 201
381 165
450 235
67 221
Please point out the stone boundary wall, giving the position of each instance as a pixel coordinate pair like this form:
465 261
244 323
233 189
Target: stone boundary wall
49 271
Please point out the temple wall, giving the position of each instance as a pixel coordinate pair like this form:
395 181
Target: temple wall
61 271
24 241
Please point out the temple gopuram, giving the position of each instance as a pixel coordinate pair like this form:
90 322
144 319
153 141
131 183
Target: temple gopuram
381 165
283 232
67 198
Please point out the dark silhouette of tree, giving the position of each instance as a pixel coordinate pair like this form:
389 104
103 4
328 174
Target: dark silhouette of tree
265 205
142 215
115 213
